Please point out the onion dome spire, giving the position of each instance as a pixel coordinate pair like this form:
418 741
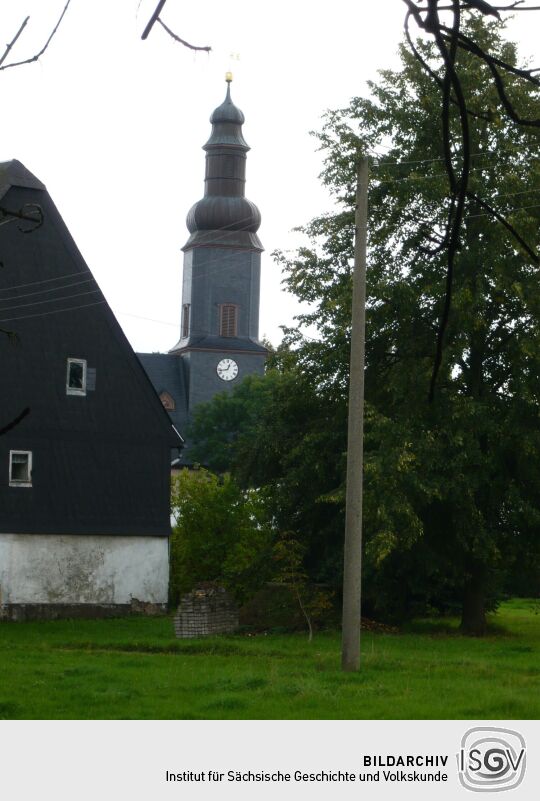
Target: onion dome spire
224 216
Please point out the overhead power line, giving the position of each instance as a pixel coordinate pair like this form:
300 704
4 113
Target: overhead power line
56 311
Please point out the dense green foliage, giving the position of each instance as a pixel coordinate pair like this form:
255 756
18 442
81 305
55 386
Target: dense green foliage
220 535
275 433
135 668
452 488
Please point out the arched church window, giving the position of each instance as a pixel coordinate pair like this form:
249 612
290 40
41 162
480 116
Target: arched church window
167 401
228 322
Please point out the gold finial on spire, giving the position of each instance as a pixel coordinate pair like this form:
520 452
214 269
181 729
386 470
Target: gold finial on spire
228 77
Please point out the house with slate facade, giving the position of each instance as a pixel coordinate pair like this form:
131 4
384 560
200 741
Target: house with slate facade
85 474
219 337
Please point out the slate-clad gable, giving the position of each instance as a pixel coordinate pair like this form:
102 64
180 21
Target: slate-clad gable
100 461
167 374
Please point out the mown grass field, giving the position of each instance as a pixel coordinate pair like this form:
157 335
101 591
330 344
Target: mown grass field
135 668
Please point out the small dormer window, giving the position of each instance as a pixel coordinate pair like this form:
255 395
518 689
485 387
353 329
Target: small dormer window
76 377
20 468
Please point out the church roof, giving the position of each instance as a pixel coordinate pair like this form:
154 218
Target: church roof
167 374
224 216
227 121
217 343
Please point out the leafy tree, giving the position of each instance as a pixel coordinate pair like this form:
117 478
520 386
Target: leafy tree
278 434
220 535
460 475
449 38
451 487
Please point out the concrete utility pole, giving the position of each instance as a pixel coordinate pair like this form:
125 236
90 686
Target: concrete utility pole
352 562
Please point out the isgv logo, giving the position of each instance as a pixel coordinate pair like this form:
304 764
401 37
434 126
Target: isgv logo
491 759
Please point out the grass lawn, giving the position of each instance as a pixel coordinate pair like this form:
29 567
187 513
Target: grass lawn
135 668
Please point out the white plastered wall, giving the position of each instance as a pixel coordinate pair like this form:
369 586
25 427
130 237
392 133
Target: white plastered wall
80 569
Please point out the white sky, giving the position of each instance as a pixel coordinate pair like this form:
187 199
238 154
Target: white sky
114 126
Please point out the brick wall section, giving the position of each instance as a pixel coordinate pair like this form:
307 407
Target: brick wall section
204 612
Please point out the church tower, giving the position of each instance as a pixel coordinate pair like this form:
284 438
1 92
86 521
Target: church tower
219 337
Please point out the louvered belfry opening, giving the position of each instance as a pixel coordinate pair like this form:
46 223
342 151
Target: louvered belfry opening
228 326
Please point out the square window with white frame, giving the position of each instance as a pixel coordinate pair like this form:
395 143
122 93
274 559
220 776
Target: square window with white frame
20 468
76 377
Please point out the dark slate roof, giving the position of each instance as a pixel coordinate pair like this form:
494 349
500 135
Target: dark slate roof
223 213
224 216
167 374
227 121
246 240
100 462
13 173
226 344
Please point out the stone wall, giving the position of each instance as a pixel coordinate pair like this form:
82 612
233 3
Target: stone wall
18 613
205 611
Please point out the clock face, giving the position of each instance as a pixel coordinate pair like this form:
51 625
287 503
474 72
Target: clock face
227 369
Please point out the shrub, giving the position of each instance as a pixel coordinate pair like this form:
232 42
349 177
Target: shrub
220 535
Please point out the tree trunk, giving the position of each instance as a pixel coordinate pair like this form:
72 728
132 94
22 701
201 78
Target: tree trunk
473 615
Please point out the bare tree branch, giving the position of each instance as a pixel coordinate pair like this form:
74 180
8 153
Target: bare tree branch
156 18
432 73
10 44
458 190
45 46
448 41
517 6
466 43
182 41
153 19
508 225
509 108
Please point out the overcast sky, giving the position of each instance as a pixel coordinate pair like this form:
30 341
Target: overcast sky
114 126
